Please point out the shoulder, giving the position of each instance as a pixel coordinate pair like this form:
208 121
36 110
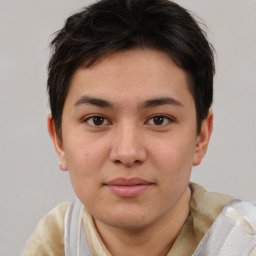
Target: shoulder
206 201
48 237
232 223
205 206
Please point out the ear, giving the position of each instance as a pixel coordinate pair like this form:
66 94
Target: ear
203 139
57 143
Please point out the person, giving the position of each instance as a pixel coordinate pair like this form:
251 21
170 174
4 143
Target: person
130 87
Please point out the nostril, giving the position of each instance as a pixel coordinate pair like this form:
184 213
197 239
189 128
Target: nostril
127 163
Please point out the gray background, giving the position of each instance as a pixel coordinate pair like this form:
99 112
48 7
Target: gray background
31 183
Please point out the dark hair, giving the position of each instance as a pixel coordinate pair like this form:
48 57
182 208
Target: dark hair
110 26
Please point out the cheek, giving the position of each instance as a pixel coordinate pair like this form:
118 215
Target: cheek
84 165
86 161
174 160
176 152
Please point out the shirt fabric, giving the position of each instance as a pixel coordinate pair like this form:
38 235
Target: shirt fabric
205 206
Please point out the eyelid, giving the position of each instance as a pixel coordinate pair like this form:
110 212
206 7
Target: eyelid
88 117
170 119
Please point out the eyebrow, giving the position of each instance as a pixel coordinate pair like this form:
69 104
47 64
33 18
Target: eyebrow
147 104
93 101
161 101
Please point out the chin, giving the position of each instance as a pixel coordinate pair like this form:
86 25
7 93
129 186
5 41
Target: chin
128 224
127 219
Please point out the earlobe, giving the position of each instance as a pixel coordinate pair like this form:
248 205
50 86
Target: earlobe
57 143
203 139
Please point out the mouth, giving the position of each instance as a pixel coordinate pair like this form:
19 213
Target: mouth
132 187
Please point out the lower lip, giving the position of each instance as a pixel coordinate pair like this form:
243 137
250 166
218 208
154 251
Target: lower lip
128 190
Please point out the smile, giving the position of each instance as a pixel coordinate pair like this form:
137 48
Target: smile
123 187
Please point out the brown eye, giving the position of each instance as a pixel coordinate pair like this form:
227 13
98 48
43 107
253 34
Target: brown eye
96 121
159 120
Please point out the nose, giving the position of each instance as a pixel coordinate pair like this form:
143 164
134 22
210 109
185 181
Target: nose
128 148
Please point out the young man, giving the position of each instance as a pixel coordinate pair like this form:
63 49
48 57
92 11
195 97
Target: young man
130 86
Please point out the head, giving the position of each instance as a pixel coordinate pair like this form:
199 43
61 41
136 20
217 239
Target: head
111 26
130 85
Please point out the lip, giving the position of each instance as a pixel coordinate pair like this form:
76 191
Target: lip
128 187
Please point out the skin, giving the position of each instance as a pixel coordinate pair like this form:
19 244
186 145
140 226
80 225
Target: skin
131 116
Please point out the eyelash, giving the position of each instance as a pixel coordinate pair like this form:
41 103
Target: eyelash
104 121
165 118
92 117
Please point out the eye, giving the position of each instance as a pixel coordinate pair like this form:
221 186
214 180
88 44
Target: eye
159 120
96 120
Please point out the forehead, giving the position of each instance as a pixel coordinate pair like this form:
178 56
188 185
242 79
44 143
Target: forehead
130 75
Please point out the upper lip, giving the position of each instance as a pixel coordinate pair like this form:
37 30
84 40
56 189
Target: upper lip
127 182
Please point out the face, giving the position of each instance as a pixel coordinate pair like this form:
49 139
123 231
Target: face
129 137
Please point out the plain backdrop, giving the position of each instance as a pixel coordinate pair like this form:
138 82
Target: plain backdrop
30 181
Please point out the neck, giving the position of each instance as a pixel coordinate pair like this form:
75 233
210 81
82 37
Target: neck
155 239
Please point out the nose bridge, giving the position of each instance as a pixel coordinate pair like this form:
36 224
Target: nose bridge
128 147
